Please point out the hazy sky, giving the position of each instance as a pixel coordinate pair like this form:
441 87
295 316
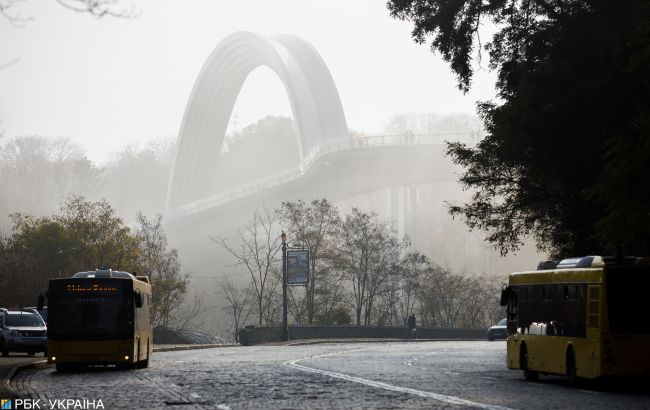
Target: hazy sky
107 82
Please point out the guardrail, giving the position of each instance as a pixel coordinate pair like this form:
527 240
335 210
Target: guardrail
255 335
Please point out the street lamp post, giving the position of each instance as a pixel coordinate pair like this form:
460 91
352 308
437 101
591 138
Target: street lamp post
285 324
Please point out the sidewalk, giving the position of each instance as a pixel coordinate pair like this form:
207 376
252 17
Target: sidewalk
9 366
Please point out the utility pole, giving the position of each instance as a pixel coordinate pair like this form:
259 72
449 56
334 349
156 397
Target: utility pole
285 324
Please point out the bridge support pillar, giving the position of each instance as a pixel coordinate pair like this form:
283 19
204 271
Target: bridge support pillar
402 210
411 215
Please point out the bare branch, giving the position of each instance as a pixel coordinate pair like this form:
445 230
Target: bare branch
99 8
16 20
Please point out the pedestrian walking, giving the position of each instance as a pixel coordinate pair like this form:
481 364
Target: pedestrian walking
411 326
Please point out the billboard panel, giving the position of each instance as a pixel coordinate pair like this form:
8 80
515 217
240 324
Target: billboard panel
297 267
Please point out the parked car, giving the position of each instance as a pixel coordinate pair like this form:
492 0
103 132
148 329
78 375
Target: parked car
42 312
22 331
498 331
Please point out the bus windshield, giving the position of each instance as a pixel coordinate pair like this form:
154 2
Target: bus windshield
86 312
627 288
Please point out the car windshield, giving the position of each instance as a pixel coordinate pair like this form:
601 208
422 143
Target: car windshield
502 322
23 319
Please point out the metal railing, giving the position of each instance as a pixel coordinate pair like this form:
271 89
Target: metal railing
353 142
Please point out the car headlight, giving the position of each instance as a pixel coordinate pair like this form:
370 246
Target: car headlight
15 333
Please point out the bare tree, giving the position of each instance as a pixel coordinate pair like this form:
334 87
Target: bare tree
14 18
273 300
403 290
414 267
239 304
97 8
297 303
368 255
458 300
315 226
331 297
188 314
256 248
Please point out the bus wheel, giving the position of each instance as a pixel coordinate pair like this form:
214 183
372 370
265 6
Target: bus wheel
529 375
571 368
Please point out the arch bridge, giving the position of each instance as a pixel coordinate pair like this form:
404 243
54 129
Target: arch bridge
334 164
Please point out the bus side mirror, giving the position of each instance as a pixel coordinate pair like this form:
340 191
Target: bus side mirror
505 295
41 302
138 299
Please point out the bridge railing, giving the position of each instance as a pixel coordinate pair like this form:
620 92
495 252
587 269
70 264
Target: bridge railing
360 141
353 142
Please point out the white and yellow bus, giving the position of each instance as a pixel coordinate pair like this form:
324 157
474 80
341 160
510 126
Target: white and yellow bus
99 317
583 318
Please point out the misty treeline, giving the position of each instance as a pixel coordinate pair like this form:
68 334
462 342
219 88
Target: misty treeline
87 235
360 273
37 174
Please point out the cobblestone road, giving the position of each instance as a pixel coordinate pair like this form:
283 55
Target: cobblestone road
370 375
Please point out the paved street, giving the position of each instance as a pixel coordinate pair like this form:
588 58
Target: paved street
350 375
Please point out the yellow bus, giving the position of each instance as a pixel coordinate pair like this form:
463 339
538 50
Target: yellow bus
583 318
99 317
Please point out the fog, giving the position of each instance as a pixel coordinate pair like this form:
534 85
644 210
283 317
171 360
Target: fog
38 174
85 129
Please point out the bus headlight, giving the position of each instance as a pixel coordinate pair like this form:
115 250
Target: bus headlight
54 358
126 357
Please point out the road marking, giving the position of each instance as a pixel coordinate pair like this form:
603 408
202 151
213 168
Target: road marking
436 396
409 362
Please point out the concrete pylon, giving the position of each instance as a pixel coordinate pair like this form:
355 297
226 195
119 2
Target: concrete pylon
402 204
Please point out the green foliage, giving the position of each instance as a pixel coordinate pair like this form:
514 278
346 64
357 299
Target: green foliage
87 235
564 158
168 284
99 237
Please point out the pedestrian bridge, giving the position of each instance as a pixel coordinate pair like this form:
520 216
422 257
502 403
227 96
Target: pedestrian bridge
332 163
336 170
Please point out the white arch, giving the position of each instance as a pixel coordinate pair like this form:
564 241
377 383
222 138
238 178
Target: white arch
312 93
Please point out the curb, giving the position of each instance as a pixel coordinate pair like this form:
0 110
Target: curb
5 387
6 392
176 348
325 341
